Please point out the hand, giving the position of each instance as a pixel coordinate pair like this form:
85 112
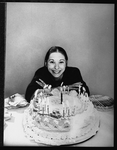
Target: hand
46 86
64 88
43 84
76 84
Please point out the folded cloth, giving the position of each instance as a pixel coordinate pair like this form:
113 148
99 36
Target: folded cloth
101 102
15 101
7 114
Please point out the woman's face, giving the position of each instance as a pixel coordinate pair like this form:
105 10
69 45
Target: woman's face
56 64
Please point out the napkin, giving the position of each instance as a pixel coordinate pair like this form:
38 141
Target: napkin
102 102
15 101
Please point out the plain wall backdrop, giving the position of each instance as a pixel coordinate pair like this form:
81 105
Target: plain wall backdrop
85 31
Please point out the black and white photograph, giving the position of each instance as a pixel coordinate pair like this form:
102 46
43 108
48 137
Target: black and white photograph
59 74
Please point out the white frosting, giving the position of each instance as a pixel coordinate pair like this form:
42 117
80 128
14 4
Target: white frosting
76 119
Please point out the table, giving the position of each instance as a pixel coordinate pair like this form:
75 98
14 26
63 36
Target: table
14 134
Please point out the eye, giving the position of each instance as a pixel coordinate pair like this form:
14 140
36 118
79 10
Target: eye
62 62
51 61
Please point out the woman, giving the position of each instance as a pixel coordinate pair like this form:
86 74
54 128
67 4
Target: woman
55 73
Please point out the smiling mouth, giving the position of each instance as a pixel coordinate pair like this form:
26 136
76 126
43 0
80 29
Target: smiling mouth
56 71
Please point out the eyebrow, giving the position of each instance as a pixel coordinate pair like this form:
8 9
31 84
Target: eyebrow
59 60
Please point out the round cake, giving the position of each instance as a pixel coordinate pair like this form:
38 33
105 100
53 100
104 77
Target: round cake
61 116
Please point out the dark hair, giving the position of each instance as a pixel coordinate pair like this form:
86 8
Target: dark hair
55 49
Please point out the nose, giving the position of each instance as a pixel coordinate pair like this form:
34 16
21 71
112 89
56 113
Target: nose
56 66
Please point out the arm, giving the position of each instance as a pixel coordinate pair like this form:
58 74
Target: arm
74 78
32 87
80 79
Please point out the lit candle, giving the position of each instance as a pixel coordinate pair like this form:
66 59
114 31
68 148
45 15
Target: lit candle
64 89
84 90
36 93
79 88
82 97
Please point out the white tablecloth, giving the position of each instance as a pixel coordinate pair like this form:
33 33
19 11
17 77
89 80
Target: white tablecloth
14 134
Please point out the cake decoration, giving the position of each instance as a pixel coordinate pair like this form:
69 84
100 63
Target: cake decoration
60 116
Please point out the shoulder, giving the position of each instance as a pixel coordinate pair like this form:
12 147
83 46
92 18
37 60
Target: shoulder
72 75
41 70
72 69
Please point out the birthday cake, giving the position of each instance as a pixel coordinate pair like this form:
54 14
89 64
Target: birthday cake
61 116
